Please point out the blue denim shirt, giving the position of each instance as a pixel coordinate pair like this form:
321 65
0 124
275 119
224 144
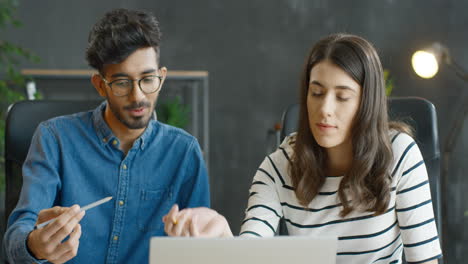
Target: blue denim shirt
76 159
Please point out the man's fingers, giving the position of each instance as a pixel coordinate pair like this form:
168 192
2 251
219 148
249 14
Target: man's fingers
50 213
67 256
46 242
70 244
66 228
69 249
61 220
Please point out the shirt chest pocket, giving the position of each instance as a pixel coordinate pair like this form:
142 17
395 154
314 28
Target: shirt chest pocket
154 204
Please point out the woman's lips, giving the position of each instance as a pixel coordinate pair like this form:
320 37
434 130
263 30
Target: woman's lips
325 127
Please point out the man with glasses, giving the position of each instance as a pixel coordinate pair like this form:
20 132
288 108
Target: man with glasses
116 150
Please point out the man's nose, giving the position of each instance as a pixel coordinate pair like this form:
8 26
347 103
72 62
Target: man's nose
136 92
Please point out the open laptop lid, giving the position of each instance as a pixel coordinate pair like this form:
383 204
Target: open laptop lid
274 250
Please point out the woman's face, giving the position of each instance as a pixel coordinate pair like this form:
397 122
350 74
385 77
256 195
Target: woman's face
332 102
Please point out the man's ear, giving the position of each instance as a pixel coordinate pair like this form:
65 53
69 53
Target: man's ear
99 85
163 72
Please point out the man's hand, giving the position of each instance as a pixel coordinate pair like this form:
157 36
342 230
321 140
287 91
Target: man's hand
196 222
48 242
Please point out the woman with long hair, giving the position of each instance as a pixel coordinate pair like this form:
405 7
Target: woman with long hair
347 172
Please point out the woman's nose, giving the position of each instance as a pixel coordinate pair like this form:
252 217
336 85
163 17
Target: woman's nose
328 105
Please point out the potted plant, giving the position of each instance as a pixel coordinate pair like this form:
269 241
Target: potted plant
11 82
388 82
173 112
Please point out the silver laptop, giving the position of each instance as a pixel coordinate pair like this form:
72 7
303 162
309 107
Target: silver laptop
274 250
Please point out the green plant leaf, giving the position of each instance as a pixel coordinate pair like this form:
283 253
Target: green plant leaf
174 113
10 57
388 82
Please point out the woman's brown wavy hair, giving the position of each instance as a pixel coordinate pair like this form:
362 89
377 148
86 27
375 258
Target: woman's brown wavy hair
367 184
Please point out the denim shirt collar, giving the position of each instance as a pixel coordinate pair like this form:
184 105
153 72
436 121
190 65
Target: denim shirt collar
105 133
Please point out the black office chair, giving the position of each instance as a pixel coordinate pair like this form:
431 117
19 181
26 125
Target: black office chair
22 119
421 115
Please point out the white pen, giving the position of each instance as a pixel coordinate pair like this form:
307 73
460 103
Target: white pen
84 208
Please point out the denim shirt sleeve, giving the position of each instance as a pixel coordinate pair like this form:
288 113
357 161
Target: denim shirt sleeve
195 191
40 184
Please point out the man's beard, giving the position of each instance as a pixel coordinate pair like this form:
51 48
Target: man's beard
138 122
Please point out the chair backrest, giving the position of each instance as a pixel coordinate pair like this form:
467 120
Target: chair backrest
421 115
22 120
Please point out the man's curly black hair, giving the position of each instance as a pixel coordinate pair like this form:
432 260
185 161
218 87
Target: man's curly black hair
118 34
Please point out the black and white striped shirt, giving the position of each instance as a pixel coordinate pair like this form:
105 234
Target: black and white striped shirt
362 237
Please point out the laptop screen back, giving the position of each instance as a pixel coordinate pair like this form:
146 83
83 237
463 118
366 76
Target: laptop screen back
274 250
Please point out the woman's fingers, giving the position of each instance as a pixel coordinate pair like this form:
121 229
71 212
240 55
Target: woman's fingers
183 223
193 227
170 220
196 222
172 216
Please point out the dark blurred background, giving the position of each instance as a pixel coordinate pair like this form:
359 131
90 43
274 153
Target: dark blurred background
254 51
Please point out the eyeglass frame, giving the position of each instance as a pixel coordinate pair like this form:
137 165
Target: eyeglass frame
133 86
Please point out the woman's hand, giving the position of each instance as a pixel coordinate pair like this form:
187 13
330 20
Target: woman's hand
196 222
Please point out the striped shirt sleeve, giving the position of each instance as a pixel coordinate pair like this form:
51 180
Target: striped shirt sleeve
264 208
413 203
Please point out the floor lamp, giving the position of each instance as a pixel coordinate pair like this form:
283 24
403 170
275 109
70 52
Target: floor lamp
426 64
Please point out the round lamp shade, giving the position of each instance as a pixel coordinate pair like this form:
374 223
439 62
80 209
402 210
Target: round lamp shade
425 64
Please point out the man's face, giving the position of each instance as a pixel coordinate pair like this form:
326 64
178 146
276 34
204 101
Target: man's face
134 109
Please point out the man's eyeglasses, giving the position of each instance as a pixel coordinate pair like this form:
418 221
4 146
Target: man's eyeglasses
148 84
